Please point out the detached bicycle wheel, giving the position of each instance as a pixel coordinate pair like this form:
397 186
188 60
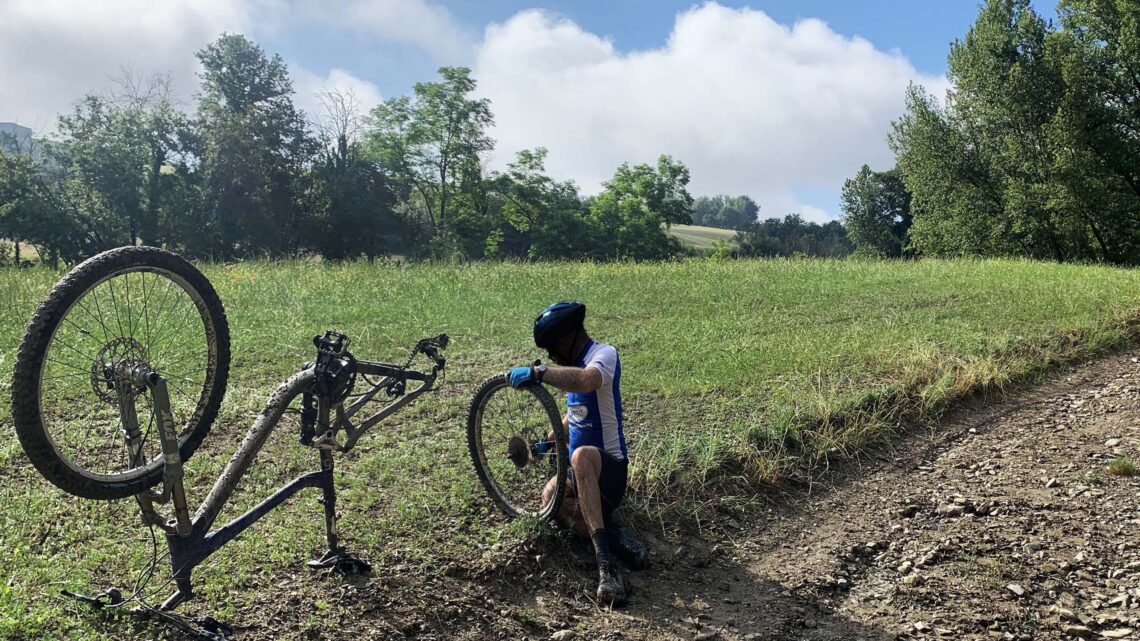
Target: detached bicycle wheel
508 433
71 401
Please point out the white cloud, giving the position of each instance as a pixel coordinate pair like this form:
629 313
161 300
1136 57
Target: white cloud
428 26
750 105
54 51
309 87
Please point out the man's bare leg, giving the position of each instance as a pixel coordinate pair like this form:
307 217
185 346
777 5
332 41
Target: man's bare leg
587 465
569 515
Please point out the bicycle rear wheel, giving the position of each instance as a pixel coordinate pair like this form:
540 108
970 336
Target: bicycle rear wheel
503 425
132 306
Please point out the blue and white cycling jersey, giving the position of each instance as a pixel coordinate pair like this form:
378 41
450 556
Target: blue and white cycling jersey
596 417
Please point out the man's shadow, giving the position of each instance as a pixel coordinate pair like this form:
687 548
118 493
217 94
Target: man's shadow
692 589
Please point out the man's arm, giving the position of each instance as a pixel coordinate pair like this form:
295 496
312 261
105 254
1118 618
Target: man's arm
573 379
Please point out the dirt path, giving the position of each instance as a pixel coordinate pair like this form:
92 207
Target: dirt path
1000 524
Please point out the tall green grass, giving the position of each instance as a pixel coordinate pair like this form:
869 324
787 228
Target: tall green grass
736 374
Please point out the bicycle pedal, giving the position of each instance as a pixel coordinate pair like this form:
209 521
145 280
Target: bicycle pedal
353 566
341 562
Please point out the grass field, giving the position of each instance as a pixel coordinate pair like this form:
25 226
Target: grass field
737 374
701 238
27 252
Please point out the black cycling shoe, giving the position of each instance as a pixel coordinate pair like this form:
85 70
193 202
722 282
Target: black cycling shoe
611 589
628 548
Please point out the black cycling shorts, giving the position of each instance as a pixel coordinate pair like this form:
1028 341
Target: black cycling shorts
611 485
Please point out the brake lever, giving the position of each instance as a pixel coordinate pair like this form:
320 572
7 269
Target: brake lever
431 347
435 356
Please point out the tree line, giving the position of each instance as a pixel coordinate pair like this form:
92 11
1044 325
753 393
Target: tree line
249 174
1034 152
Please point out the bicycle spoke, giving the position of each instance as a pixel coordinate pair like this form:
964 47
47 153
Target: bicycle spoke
161 318
98 319
509 415
84 374
115 304
127 301
68 346
166 340
146 317
124 319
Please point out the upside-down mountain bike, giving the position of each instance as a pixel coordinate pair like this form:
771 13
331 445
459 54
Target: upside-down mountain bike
123 368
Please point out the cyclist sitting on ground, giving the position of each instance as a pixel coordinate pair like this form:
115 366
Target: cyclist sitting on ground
590 373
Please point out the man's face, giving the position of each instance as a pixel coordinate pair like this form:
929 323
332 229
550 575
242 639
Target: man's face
560 351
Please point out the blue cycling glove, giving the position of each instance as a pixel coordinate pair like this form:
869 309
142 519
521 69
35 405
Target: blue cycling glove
521 376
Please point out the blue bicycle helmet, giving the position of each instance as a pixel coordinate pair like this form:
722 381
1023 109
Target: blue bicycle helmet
556 321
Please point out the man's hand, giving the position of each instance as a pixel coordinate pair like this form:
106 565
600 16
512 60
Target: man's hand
521 376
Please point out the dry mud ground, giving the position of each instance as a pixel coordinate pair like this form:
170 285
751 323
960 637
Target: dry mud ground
1000 523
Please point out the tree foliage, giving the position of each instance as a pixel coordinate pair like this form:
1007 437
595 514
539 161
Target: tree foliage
1035 152
429 144
350 202
876 208
725 212
792 236
248 174
636 207
254 145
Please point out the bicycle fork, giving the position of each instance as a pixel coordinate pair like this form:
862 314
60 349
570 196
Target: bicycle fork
172 472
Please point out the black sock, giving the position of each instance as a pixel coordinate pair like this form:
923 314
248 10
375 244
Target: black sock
601 549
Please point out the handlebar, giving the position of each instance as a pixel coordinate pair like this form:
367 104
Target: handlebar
431 346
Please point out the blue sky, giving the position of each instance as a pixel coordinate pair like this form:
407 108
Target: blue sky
777 99
922 30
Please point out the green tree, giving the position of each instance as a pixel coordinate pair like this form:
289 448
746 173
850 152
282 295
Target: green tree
123 148
792 236
101 149
1027 157
545 218
1098 123
429 145
42 207
254 147
876 207
350 205
725 212
636 207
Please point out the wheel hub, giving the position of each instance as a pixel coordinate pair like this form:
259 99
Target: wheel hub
518 451
119 355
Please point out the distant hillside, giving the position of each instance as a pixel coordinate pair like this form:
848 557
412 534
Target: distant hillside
699 237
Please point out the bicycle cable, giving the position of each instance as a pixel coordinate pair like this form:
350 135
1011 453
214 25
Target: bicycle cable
144 576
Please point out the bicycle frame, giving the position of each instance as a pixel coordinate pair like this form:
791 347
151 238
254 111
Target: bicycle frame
191 540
